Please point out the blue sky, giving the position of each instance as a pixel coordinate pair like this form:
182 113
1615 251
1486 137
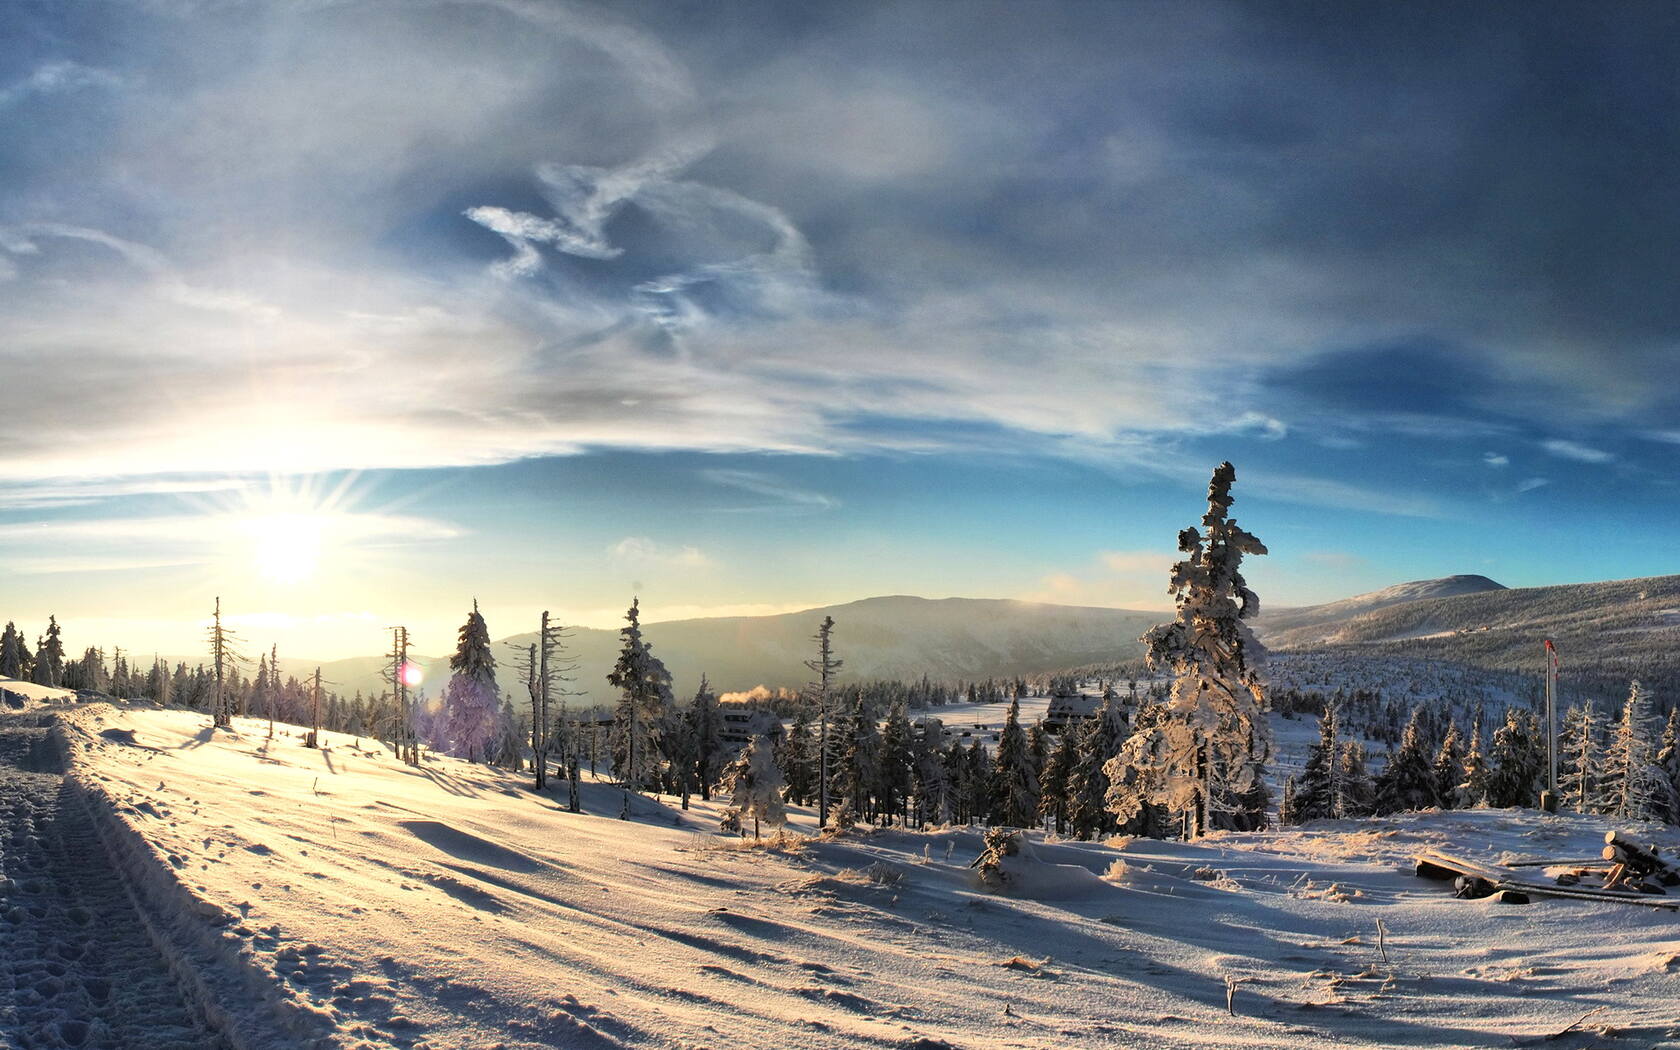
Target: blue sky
349 312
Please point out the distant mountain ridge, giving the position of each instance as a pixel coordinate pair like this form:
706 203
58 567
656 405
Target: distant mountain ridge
1321 623
1606 632
897 636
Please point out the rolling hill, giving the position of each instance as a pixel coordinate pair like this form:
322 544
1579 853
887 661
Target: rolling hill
1606 632
890 637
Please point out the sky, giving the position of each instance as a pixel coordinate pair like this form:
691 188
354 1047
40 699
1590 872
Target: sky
350 313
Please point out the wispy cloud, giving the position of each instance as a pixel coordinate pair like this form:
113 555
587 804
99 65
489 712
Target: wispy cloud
1530 484
55 77
778 494
640 550
1495 459
1576 451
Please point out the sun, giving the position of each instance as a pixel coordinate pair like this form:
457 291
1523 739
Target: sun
286 547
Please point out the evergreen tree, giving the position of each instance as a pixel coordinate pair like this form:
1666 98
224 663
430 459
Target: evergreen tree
930 783
1408 781
1635 785
1286 805
680 748
1517 761
799 759
755 787
1090 804
1668 762
897 774
11 652
710 754
51 653
1579 758
1355 794
1473 791
977 782
1057 775
644 691
1317 793
470 721
857 767
1212 741
1015 784
472 651
1449 768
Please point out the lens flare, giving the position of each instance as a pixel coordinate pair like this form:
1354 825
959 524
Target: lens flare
412 675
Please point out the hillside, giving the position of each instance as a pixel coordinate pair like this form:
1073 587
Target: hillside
1319 623
1605 632
890 637
336 897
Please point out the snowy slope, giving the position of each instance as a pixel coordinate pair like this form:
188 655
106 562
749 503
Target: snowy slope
17 694
447 906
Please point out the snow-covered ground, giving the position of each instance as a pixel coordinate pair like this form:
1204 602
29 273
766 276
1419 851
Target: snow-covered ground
359 902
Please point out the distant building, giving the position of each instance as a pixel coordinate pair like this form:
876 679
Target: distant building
742 722
1066 709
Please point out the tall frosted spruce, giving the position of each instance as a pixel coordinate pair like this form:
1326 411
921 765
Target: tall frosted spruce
1205 756
644 687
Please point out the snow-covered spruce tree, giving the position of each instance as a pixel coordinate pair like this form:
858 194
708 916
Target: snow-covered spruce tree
1053 782
1448 769
1579 760
706 722
1473 790
1355 793
1408 781
507 750
896 775
1286 803
1634 788
755 788
857 766
1517 761
799 759
1092 783
471 718
1014 783
1668 760
51 653
680 751
1212 742
976 782
1318 788
644 687
930 785
11 652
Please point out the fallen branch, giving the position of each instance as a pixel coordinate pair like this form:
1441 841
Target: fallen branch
1231 992
1571 1026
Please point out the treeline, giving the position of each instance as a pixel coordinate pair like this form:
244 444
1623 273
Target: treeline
1627 767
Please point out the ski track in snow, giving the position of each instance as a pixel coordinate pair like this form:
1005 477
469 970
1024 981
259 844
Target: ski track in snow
76 967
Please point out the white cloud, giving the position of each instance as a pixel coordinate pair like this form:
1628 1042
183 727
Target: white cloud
1495 459
640 550
1576 451
1530 484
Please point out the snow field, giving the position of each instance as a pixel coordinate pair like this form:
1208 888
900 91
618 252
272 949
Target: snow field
449 906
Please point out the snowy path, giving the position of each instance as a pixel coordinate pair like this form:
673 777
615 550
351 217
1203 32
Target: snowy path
76 967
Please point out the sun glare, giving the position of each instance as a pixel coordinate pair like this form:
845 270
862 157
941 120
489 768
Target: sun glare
286 547
412 675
